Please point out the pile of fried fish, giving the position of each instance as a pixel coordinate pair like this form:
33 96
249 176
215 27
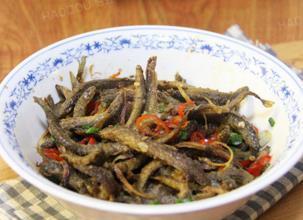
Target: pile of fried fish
148 141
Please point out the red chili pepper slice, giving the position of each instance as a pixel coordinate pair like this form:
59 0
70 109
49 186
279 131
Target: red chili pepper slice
84 140
88 140
197 136
52 153
259 165
213 138
161 127
181 108
91 140
245 163
92 107
173 122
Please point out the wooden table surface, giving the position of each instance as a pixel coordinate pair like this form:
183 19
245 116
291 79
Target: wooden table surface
28 25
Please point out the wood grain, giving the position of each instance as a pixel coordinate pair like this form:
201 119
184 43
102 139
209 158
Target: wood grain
28 25
291 53
6 171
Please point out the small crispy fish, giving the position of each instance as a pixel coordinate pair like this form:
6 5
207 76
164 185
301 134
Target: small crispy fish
67 106
139 99
247 131
97 120
85 98
80 74
151 86
123 135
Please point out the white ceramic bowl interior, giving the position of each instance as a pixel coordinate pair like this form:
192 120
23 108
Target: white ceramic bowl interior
205 59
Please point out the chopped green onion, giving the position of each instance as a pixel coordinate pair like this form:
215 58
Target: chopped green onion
271 122
52 139
183 135
235 138
91 130
155 202
86 127
178 201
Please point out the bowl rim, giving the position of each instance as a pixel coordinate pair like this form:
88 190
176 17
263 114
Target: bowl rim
139 209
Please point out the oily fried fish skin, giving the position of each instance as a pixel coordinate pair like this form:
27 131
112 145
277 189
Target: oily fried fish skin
151 86
243 127
63 91
62 138
231 177
85 98
233 102
147 171
54 170
97 120
60 135
75 83
193 169
180 186
228 99
195 93
212 150
139 98
101 175
100 178
80 74
67 106
94 143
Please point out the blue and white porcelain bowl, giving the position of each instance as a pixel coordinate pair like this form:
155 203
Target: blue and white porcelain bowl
206 59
